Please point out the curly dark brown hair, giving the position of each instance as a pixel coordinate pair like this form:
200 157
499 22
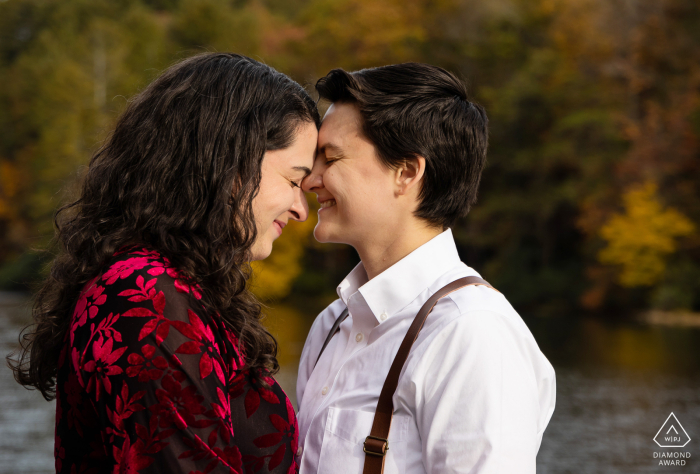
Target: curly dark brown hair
178 174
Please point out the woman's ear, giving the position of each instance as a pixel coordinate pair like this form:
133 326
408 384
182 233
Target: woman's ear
409 176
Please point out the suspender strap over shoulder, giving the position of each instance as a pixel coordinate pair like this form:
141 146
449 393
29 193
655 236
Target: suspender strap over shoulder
376 445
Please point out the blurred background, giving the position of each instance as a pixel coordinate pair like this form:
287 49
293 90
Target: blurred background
588 212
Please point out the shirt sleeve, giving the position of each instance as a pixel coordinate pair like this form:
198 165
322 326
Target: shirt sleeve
478 402
150 360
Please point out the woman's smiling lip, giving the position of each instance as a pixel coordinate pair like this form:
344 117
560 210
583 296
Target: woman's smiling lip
326 203
279 226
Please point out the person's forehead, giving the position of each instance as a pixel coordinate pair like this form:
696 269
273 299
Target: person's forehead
340 124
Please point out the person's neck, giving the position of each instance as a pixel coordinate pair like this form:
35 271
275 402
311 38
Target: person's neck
383 251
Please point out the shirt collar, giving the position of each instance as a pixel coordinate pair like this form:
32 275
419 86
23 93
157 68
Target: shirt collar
398 285
349 286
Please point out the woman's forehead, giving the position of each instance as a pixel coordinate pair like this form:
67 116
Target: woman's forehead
341 130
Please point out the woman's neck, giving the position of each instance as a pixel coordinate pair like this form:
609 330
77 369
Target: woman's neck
382 251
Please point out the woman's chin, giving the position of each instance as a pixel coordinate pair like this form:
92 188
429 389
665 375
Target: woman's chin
325 233
319 235
260 251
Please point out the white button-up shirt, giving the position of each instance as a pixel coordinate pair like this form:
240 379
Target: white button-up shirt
474 396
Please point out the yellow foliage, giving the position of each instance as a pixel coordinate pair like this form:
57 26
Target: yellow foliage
289 326
640 239
273 277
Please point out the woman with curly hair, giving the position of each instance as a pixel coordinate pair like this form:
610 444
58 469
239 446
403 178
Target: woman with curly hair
145 332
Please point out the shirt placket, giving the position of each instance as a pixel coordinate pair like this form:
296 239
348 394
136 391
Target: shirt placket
354 331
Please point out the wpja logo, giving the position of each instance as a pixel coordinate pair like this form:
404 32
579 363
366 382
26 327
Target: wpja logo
672 435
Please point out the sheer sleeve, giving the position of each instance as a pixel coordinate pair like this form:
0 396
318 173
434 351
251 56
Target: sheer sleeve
155 369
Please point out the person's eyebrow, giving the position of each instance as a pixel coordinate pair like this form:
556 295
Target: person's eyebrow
303 169
332 147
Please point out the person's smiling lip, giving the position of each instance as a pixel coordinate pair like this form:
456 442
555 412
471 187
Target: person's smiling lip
326 203
280 225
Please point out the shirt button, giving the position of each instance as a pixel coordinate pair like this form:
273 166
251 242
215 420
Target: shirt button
324 391
383 316
299 451
359 337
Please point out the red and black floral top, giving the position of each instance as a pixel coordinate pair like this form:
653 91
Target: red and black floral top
148 382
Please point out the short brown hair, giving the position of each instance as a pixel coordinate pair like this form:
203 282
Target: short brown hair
415 109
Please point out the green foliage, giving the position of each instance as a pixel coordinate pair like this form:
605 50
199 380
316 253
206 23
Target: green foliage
23 272
213 25
680 288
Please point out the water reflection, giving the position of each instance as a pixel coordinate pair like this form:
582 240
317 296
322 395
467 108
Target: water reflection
596 344
616 384
26 419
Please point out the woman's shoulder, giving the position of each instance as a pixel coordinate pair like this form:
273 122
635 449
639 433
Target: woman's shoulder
139 267
140 299
137 282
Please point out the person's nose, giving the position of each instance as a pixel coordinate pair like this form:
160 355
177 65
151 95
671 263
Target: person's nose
300 207
314 181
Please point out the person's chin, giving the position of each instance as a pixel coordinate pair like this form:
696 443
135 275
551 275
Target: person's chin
326 233
261 251
320 234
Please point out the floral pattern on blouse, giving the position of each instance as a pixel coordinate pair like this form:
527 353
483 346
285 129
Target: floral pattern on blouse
149 382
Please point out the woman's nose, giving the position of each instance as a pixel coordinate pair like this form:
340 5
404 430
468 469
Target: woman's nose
300 207
314 181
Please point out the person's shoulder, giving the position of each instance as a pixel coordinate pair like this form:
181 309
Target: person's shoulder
333 309
468 298
319 332
144 267
138 281
483 321
135 259
481 298
125 287
326 318
480 311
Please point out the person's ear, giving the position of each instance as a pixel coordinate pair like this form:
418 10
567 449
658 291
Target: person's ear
409 175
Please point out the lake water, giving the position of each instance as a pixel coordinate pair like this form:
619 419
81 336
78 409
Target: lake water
616 385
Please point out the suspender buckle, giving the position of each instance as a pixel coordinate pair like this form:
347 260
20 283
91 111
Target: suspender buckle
376 446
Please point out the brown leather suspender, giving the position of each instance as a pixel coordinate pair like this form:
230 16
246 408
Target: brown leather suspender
377 444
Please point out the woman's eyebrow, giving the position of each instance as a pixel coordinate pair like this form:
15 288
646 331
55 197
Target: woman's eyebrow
303 169
333 148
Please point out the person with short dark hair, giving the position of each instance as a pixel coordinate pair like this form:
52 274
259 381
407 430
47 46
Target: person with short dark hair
400 154
146 333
